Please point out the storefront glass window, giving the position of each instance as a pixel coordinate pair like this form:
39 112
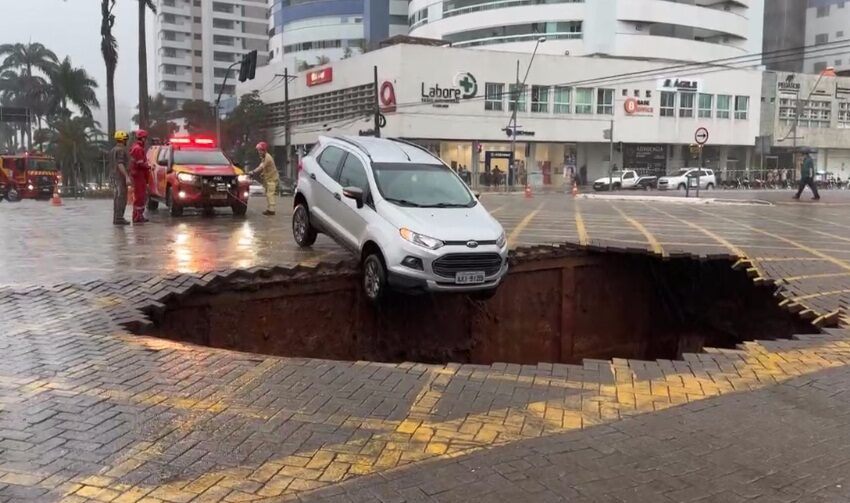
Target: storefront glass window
686 104
844 114
705 105
562 100
540 99
668 104
742 104
605 101
494 96
584 101
723 102
520 101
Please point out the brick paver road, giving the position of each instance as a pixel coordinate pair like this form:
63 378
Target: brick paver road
89 412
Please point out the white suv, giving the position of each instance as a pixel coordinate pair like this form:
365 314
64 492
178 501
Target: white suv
707 180
413 223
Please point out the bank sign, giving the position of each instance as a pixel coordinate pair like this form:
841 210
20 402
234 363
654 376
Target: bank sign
686 85
463 87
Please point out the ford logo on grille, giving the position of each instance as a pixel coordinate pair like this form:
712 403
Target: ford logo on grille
472 244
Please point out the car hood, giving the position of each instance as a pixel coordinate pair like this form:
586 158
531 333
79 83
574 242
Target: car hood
445 224
207 170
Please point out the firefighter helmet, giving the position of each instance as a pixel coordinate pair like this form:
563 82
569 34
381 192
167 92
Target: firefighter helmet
121 136
263 146
141 134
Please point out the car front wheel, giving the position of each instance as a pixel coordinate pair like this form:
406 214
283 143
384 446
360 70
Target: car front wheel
374 278
681 186
710 186
302 230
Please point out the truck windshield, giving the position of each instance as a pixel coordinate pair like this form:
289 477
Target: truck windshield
41 164
201 157
421 185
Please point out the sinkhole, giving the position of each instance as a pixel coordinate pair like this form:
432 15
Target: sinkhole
558 307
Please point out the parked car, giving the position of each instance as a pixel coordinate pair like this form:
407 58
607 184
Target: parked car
410 220
628 179
679 181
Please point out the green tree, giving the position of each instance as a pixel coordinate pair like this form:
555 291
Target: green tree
27 57
73 142
245 127
144 113
72 86
109 50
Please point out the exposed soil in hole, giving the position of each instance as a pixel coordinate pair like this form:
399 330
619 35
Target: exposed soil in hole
563 309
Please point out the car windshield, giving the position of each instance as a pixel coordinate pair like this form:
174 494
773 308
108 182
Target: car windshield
202 157
682 172
41 164
421 185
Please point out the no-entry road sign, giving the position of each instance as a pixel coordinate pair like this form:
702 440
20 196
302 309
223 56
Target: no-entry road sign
701 136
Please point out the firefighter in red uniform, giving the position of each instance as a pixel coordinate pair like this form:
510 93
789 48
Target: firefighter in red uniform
140 173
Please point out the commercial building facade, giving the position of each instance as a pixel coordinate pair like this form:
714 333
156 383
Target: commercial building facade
827 21
196 40
682 30
459 106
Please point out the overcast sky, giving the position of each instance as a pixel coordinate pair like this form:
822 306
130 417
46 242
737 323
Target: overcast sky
72 28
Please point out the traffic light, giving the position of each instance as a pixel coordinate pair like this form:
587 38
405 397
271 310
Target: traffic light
248 68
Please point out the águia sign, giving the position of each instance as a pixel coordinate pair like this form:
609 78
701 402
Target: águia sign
464 86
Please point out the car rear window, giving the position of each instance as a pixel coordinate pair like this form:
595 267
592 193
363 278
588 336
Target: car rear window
202 157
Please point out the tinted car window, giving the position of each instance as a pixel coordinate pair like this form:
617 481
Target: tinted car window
329 161
422 185
353 174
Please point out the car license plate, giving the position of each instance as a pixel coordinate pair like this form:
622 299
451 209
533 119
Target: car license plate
218 196
221 187
469 278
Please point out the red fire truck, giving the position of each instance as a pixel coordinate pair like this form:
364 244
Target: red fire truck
28 176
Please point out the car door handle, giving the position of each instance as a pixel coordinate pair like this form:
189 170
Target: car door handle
313 176
338 197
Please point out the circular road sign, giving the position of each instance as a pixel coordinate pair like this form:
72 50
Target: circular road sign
701 136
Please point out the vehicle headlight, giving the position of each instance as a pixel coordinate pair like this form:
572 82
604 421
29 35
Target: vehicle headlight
243 178
420 240
502 240
186 177
30 187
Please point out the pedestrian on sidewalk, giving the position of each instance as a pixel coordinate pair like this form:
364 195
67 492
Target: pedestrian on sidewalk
118 160
140 173
268 173
807 177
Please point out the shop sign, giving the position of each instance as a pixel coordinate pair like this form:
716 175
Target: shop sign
464 86
322 76
681 85
635 106
789 85
517 132
387 97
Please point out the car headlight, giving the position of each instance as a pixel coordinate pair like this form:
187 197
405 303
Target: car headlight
420 240
186 177
502 240
243 178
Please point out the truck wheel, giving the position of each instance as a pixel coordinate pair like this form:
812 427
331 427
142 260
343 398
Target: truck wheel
374 277
13 196
681 186
617 186
710 186
302 230
153 204
174 209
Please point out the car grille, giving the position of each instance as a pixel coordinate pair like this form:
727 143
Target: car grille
448 265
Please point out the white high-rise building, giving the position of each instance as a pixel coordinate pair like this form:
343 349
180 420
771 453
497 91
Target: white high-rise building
827 22
678 30
197 40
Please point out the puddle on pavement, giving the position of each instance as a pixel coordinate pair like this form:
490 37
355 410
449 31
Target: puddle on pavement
564 309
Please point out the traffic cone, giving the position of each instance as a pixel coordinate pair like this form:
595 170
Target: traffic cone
56 200
575 189
528 194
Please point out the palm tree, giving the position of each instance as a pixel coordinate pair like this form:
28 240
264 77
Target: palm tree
28 57
144 114
18 90
73 86
109 50
72 141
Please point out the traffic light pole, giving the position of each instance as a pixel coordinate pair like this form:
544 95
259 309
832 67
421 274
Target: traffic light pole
377 106
218 102
287 127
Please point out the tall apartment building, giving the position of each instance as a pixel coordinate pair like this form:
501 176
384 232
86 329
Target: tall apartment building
827 21
305 32
784 35
196 41
679 30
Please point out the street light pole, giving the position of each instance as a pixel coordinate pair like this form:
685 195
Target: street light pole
519 88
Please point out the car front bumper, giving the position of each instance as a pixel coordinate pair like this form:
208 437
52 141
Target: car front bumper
196 196
403 277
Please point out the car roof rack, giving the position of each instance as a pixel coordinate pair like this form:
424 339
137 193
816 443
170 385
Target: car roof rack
416 145
356 144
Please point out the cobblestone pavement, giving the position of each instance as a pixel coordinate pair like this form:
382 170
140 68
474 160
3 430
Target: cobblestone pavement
89 412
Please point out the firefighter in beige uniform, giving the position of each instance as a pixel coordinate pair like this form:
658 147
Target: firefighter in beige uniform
268 173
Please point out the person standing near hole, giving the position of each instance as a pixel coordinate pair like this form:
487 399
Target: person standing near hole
807 177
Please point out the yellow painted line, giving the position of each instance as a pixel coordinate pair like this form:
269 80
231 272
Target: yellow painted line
813 276
819 294
493 212
580 228
734 249
522 225
653 243
789 259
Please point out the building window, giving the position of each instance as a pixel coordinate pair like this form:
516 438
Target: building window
196 19
742 105
723 102
197 36
584 101
844 114
170 86
562 100
705 105
823 11
815 113
820 66
517 97
169 69
199 53
493 96
168 52
838 62
605 101
199 86
199 69
540 99
839 34
668 104
686 104
821 38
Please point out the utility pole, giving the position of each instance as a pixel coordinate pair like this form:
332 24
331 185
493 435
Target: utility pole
377 106
611 157
512 165
287 128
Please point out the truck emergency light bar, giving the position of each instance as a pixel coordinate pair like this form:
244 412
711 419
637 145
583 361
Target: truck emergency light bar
188 140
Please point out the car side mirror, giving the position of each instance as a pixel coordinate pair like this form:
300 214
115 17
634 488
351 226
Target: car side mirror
355 193
477 195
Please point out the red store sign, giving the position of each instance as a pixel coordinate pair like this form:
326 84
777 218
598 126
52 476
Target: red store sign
322 76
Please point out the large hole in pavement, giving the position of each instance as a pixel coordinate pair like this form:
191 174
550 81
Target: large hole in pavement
560 308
